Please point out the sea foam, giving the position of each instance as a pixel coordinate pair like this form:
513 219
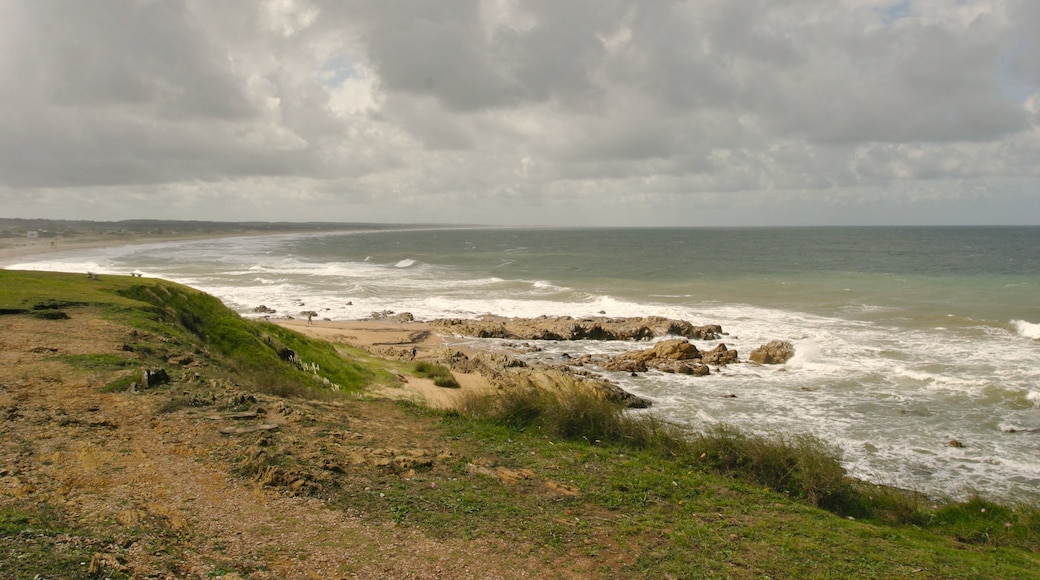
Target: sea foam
1027 329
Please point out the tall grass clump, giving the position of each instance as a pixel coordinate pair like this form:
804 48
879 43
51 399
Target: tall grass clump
440 374
980 521
802 465
575 415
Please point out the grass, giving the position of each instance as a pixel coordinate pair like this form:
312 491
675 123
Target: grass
799 467
104 362
187 320
638 513
37 542
440 374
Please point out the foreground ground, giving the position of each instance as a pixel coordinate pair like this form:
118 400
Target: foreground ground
218 473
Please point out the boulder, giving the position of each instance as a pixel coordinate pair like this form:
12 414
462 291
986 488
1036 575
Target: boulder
719 356
669 356
773 353
677 349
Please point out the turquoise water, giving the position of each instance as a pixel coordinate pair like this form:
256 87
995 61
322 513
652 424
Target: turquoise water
906 338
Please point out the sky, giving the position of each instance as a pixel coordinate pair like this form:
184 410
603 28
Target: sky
515 112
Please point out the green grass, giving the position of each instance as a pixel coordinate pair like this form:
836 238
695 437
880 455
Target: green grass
639 513
440 374
797 467
36 542
174 318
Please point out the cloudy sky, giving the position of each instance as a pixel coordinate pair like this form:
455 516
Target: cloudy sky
540 112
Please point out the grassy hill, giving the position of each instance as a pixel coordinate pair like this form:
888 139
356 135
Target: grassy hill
260 453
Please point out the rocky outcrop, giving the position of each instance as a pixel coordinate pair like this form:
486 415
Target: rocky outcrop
773 353
569 328
720 356
506 372
392 316
670 356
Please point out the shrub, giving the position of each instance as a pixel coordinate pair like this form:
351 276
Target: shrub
575 415
980 521
800 465
440 374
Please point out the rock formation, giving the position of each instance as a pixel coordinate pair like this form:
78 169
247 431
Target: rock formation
773 353
569 328
670 356
506 372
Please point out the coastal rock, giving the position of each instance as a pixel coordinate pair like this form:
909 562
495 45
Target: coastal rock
720 356
773 353
264 309
569 328
506 372
677 349
669 356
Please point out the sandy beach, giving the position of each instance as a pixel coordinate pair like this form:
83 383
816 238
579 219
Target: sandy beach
14 250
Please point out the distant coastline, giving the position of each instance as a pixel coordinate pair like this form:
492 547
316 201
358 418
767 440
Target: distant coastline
33 237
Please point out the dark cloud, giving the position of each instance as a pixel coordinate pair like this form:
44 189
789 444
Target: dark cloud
513 111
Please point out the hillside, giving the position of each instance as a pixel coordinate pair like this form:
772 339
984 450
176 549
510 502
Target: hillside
261 453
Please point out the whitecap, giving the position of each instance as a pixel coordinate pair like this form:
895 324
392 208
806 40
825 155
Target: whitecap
1027 329
804 352
406 263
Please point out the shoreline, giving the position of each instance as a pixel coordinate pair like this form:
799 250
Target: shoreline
30 247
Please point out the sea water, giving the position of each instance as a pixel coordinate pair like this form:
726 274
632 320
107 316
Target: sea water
906 338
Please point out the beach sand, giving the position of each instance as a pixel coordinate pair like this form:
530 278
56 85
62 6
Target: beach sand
15 250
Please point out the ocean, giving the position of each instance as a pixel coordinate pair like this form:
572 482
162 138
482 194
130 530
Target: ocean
906 338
